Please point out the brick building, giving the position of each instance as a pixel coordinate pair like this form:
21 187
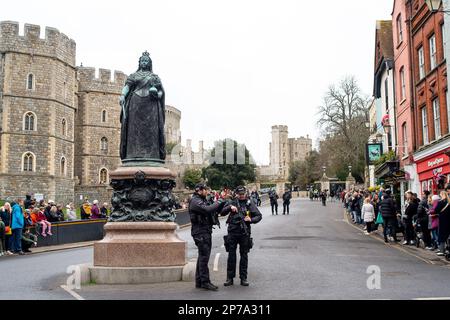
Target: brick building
430 89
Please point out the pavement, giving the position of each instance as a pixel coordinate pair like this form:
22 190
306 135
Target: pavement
313 253
429 257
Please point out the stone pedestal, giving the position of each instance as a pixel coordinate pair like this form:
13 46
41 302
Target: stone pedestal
141 244
350 182
142 194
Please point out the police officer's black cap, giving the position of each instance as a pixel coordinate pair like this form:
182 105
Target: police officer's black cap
240 189
200 186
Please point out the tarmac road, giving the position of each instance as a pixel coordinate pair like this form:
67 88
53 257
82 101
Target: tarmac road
311 254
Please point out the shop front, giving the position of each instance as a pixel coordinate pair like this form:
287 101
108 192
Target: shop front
434 172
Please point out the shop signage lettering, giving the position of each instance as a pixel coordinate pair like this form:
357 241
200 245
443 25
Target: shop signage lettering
437 171
436 162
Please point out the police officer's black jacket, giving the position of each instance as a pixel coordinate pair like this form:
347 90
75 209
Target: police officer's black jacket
201 214
287 196
234 220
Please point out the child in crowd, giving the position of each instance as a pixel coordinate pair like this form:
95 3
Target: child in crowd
28 240
71 214
368 214
42 220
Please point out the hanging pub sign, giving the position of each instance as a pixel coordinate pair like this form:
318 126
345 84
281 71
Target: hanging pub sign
374 151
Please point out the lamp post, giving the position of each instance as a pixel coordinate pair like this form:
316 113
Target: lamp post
350 171
434 5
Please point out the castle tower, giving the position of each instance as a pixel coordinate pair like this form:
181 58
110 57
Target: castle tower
37 112
279 151
172 126
97 132
299 148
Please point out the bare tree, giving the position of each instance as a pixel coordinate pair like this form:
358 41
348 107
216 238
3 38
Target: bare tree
343 118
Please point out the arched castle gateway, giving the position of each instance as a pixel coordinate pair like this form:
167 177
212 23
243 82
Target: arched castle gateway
59 124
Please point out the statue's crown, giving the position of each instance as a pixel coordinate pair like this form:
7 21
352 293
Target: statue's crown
145 55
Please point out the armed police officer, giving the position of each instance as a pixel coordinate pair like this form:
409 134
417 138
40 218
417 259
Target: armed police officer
203 217
287 196
242 213
273 196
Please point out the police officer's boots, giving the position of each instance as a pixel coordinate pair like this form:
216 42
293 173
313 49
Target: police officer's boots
228 283
209 286
244 283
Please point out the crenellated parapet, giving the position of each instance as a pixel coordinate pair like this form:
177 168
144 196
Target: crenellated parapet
55 44
88 82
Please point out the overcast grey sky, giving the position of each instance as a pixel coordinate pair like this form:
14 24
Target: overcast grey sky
234 68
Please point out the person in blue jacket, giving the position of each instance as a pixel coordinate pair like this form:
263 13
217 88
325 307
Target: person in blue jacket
17 225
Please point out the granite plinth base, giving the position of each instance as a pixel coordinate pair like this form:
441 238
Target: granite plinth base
107 275
140 245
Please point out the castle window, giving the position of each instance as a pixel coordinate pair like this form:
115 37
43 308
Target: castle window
64 127
63 166
28 162
104 116
103 176
30 82
104 144
29 121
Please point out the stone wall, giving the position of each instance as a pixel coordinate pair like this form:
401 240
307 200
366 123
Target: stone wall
98 117
51 99
172 127
101 193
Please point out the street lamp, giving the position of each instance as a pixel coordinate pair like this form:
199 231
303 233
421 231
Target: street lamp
350 170
434 5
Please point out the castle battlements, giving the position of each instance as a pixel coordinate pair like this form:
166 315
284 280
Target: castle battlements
301 139
55 44
280 128
89 82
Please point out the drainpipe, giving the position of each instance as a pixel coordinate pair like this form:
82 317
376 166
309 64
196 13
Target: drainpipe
412 80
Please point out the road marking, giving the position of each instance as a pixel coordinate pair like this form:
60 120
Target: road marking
389 245
216 262
431 299
72 293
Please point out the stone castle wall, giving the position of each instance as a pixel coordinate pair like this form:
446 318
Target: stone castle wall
51 99
99 117
61 91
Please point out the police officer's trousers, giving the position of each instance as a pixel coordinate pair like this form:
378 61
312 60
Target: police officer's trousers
203 243
244 247
274 207
286 207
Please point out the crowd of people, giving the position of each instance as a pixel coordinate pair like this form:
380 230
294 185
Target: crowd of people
423 221
19 218
225 194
